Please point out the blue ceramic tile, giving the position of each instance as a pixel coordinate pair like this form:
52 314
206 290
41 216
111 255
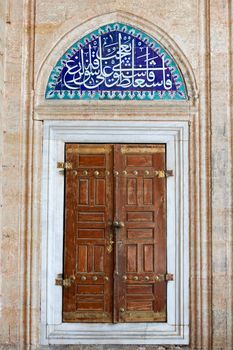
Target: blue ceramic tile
116 62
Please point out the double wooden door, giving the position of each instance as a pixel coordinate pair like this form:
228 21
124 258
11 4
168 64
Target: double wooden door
115 233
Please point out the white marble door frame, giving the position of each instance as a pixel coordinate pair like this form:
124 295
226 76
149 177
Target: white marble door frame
175 136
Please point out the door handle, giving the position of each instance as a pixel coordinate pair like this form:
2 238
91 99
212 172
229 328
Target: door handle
110 245
118 224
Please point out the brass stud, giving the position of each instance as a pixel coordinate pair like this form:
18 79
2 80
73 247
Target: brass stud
124 277
135 172
107 172
147 172
75 172
83 278
122 309
85 172
160 173
124 172
106 278
96 173
95 278
135 278
157 278
116 172
147 278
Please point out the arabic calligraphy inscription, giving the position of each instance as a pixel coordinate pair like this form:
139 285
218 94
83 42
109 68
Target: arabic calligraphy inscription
118 63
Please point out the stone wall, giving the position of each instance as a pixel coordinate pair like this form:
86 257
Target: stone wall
32 35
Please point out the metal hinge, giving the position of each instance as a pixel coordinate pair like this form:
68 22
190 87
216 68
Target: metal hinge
166 277
169 277
64 165
163 173
66 282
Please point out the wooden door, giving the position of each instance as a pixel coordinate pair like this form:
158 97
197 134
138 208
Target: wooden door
115 233
141 242
88 230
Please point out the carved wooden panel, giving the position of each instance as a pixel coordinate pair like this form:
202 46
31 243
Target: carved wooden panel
141 243
88 218
117 268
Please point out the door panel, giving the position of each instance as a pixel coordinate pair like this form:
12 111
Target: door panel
141 243
115 233
88 218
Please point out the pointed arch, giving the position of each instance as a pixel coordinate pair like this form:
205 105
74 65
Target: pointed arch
119 62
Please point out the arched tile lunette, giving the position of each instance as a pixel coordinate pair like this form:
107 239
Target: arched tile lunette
116 62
